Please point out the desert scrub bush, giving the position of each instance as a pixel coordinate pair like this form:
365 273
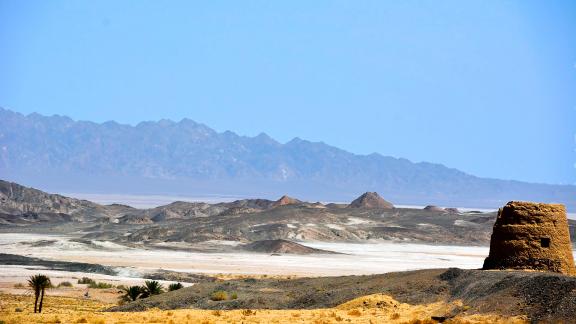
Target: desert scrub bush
336 317
234 296
86 281
217 313
82 320
219 295
65 284
424 321
100 285
19 285
175 286
248 312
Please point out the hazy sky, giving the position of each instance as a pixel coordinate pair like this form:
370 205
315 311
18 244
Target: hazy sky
488 87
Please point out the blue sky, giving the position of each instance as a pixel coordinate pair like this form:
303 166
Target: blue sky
488 87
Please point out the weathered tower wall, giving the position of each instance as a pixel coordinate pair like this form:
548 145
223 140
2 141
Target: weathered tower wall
531 236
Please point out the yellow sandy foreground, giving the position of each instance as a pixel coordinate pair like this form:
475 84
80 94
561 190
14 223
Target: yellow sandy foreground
368 309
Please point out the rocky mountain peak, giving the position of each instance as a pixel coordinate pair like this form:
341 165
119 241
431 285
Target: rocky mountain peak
286 200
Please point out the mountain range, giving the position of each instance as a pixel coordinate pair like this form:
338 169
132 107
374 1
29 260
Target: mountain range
59 154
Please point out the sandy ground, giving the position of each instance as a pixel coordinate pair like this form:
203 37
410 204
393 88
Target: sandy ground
357 258
67 305
369 309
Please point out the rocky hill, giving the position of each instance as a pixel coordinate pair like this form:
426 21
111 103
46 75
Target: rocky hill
242 221
35 205
370 200
58 153
286 200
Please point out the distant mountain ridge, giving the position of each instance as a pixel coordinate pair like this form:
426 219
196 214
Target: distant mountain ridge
59 154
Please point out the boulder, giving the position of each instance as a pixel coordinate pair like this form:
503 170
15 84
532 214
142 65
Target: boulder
434 208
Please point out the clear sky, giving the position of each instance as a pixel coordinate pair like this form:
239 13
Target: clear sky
488 87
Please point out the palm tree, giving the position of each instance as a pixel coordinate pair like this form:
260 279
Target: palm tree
39 283
132 293
151 287
175 286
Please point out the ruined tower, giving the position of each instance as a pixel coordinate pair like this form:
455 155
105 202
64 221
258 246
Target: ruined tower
531 236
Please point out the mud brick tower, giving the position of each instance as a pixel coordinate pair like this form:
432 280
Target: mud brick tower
531 236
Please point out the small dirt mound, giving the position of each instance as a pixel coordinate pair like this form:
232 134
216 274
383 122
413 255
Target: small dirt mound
280 247
371 301
370 200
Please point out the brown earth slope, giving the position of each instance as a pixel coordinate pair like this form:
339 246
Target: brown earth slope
541 296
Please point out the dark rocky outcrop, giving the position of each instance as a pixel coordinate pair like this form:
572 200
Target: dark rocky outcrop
32 205
434 208
15 199
11 259
135 220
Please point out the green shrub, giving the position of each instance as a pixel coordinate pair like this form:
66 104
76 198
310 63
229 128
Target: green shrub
248 312
217 312
65 284
175 286
234 296
100 285
151 287
86 281
131 293
219 295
